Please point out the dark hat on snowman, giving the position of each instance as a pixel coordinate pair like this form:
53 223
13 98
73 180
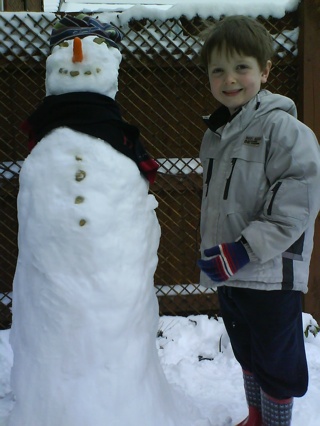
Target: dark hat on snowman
82 26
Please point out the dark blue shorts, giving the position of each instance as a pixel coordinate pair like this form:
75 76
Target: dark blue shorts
266 334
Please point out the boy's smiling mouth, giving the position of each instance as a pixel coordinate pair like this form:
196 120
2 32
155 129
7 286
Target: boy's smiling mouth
231 92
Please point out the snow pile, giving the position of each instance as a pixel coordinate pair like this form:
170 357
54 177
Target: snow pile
196 356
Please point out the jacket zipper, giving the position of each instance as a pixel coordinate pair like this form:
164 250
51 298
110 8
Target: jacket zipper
209 174
226 189
274 193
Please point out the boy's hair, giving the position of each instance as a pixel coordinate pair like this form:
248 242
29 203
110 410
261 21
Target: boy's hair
240 34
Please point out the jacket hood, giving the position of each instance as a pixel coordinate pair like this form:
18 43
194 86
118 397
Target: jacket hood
261 104
266 101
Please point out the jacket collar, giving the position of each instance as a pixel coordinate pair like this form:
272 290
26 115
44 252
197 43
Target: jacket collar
222 115
219 118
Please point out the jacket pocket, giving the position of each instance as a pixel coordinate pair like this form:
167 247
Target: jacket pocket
227 186
274 191
208 176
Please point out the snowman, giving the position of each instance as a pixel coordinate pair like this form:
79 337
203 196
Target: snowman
85 314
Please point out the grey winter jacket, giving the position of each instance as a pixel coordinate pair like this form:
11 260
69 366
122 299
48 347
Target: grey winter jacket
262 181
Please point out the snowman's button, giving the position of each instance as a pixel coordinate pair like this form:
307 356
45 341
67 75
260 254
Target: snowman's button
82 222
80 175
79 199
78 158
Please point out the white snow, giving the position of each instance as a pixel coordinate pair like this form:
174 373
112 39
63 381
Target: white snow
214 384
85 312
166 9
51 5
83 295
91 75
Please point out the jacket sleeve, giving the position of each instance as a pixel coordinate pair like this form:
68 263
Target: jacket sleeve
293 200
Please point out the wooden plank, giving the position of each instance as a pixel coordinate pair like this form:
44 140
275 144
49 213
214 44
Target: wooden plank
309 65
312 298
22 5
309 113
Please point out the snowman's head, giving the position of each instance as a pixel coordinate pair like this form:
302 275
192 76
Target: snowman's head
84 57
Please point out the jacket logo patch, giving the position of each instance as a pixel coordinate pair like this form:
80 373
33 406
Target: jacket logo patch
252 140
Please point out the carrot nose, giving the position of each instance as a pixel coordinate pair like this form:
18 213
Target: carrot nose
77 50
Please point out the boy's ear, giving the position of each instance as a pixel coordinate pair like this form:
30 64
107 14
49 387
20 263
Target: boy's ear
265 72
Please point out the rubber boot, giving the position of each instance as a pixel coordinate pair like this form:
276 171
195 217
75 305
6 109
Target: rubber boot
252 390
254 418
276 412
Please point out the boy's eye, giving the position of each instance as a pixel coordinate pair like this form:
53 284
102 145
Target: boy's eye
216 70
242 67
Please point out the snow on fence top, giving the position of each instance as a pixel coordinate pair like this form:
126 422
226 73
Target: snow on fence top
166 9
25 34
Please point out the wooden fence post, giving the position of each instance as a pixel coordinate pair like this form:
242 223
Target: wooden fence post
23 5
309 113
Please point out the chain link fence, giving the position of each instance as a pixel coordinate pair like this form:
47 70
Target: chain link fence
164 91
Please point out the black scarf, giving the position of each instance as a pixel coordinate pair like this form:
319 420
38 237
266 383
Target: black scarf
96 115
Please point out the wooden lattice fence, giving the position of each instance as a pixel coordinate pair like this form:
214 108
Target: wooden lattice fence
164 91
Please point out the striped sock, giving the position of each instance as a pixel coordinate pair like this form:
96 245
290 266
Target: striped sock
276 412
252 390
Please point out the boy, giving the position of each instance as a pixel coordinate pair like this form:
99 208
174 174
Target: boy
260 200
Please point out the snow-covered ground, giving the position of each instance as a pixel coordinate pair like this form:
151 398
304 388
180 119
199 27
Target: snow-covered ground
196 357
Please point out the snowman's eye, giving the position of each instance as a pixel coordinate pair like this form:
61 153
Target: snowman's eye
64 44
99 40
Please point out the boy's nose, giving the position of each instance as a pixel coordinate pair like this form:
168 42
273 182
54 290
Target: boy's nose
229 78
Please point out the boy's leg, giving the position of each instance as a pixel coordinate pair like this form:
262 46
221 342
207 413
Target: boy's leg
235 323
265 330
237 327
278 353
274 324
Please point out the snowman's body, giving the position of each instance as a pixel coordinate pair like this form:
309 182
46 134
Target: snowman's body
84 327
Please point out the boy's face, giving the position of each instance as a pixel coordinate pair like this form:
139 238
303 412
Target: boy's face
235 79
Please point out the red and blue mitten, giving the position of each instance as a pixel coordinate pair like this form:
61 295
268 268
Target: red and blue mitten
226 260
